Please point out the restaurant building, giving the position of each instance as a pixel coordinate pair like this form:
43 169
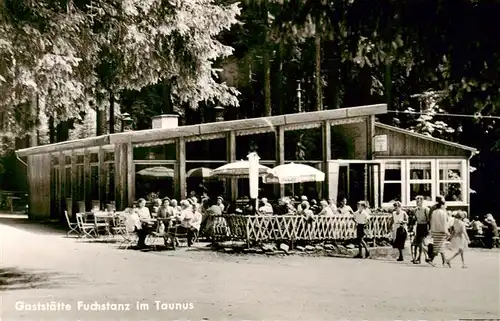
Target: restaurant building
362 159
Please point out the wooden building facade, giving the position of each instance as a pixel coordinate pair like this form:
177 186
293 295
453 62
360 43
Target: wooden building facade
362 159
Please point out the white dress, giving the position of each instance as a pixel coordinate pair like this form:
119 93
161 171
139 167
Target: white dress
459 239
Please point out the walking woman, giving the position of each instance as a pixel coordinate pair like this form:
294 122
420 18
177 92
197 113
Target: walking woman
439 229
459 238
399 232
422 230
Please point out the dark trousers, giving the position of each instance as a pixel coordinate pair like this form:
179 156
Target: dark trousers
143 233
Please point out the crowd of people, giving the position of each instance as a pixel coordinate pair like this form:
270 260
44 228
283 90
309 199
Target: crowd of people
431 226
434 226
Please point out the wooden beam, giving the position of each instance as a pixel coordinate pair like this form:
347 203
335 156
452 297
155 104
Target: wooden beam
62 185
368 110
118 178
57 147
129 168
87 178
231 157
74 183
326 130
180 177
151 135
280 153
103 171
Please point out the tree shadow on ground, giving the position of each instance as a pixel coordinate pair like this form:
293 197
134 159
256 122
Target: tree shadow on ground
12 278
22 222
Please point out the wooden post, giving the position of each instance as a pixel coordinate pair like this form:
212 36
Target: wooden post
327 156
118 177
87 178
180 177
102 176
231 157
62 185
280 153
74 182
129 168
370 134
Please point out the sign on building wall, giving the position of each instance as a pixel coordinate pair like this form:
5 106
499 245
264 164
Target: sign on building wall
380 143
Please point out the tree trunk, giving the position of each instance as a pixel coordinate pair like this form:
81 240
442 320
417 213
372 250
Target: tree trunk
333 92
279 81
268 111
34 120
167 101
100 120
62 133
388 85
111 112
52 130
317 72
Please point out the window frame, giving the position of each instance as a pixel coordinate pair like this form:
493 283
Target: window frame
384 181
462 181
435 180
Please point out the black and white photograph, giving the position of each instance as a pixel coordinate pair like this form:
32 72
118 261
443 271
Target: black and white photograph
249 160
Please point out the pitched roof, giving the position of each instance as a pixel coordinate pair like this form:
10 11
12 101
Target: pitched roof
425 137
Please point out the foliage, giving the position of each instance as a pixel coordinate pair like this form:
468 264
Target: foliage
70 52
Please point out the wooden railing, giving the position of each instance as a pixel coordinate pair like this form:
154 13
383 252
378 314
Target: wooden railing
297 228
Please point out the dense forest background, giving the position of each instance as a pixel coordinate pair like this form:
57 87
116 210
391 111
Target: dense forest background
76 68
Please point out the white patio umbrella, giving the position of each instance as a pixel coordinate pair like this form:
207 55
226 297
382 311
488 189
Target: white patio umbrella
200 172
294 173
238 169
157 172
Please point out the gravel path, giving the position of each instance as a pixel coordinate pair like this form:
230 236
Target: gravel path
236 287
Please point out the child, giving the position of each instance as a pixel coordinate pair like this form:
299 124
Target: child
459 238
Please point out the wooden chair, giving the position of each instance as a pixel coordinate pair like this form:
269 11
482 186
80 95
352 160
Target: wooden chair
86 229
177 233
101 222
128 233
73 227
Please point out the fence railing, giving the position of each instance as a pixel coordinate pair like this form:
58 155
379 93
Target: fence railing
297 228
13 201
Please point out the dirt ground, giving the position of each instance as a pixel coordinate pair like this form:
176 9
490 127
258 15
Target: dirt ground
234 287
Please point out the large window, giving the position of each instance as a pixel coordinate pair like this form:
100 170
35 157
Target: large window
404 180
451 181
393 182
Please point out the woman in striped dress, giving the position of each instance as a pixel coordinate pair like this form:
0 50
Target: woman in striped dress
439 229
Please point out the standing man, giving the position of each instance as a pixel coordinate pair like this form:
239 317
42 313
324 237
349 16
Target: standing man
422 216
361 218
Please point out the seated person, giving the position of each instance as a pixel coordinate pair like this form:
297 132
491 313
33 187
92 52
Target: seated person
213 209
175 207
477 226
303 199
143 222
307 212
266 208
220 203
291 209
314 206
282 207
189 220
166 211
155 207
326 210
345 209
249 209
333 205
